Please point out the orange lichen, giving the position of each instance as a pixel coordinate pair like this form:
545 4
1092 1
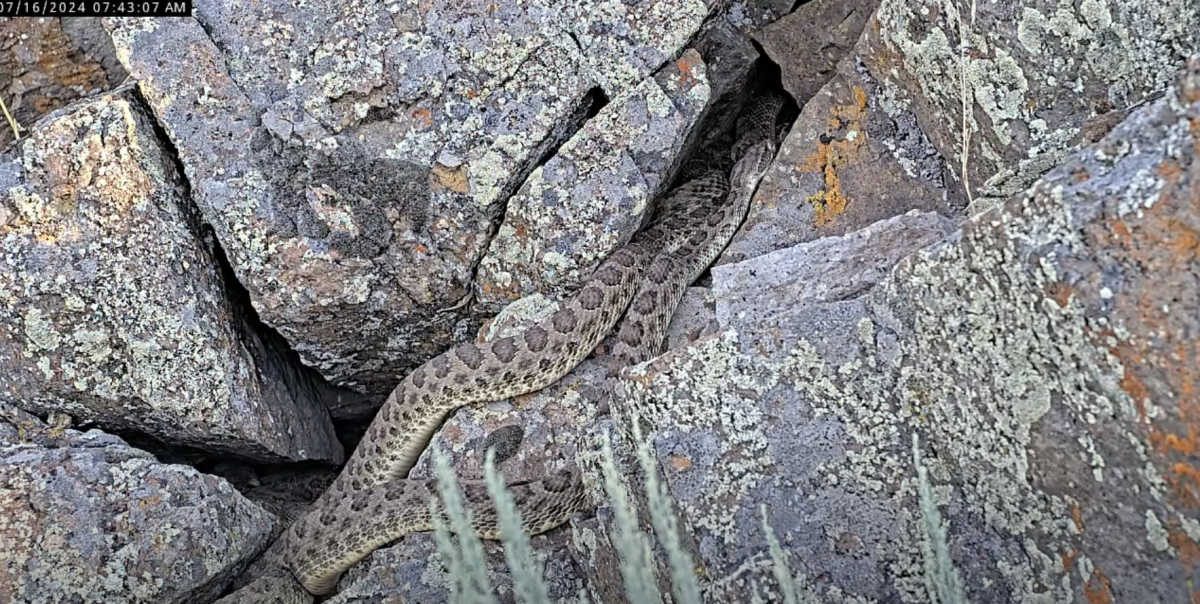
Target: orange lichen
454 179
1121 230
679 463
424 116
1060 293
686 64
1159 366
1188 552
1133 386
1068 558
1186 482
836 152
1098 589
1170 170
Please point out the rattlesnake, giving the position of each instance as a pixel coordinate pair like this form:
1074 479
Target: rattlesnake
371 504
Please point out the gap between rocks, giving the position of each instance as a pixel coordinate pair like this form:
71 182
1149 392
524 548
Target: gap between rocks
286 485
273 356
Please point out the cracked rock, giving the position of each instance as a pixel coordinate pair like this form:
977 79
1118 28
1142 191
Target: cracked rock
353 157
113 308
86 518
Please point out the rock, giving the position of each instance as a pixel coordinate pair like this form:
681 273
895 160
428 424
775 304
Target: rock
1045 356
845 164
695 317
766 299
1041 76
46 63
113 308
593 195
751 15
353 158
730 60
808 43
87 518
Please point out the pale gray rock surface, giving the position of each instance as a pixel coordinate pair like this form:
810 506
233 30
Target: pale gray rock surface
1009 88
353 158
85 518
113 308
594 194
769 300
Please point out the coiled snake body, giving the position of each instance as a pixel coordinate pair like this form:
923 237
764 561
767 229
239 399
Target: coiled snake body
371 503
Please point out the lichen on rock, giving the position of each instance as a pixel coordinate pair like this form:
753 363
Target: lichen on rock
86 518
113 308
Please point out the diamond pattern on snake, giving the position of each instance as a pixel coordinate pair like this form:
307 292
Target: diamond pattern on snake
371 503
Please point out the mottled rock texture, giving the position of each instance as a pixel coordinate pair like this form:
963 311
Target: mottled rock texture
354 158
46 63
808 43
1006 89
86 518
846 163
594 194
112 305
765 299
1046 355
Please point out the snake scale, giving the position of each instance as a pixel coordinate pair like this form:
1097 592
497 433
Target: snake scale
371 503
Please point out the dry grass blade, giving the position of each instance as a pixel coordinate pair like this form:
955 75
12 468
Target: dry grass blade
12 123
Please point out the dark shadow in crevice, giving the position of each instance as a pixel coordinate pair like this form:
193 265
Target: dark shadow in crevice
722 128
594 100
274 359
765 78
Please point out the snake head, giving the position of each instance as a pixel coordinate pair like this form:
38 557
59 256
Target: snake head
752 166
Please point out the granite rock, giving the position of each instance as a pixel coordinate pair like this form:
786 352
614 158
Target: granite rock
88 519
113 308
1041 361
846 163
354 158
1008 89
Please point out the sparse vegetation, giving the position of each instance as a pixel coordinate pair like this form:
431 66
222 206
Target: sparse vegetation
941 577
465 562
12 122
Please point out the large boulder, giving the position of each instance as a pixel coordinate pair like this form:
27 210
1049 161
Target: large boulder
1045 356
596 191
354 159
113 307
86 518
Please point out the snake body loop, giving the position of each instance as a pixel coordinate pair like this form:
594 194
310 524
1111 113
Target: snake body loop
371 503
